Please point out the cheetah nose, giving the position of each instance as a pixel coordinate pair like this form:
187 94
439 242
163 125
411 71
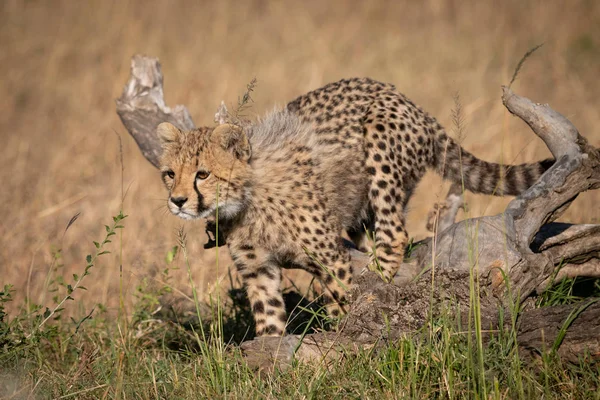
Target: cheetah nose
178 201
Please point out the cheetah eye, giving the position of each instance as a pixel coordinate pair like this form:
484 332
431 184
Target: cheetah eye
202 175
169 173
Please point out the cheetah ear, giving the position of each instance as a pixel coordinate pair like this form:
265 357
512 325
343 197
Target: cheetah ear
168 133
233 139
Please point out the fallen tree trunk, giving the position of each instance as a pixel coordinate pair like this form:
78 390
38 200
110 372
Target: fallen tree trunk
382 314
514 255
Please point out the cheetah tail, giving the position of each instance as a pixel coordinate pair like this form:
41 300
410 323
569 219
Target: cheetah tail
454 163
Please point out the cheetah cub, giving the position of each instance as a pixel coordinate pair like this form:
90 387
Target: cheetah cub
283 197
341 157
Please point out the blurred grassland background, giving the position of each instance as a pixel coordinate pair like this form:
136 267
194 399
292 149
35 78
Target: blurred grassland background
63 63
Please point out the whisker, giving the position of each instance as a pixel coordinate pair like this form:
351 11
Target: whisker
162 208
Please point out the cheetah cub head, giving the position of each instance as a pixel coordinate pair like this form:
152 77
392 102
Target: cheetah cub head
205 167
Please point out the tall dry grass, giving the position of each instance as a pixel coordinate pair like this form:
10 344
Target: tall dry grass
64 62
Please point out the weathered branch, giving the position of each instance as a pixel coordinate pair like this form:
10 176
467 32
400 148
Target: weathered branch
142 107
577 169
558 187
589 269
559 134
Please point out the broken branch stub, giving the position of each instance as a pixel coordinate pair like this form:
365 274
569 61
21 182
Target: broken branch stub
443 214
142 107
222 115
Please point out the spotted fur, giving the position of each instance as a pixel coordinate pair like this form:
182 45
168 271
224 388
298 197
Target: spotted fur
398 142
348 154
279 199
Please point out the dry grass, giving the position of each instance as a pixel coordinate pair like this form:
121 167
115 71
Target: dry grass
64 62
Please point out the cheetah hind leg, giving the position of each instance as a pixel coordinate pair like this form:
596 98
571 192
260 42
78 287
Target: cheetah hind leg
334 280
390 242
387 199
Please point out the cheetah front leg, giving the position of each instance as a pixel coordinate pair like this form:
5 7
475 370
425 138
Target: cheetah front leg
334 270
336 282
262 279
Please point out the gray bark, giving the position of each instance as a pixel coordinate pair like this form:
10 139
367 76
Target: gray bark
142 107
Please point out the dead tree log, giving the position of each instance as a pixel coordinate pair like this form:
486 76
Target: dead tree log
515 254
381 314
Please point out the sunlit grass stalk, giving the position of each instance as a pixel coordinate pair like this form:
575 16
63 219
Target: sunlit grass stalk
476 360
182 242
211 345
218 285
122 324
122 311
